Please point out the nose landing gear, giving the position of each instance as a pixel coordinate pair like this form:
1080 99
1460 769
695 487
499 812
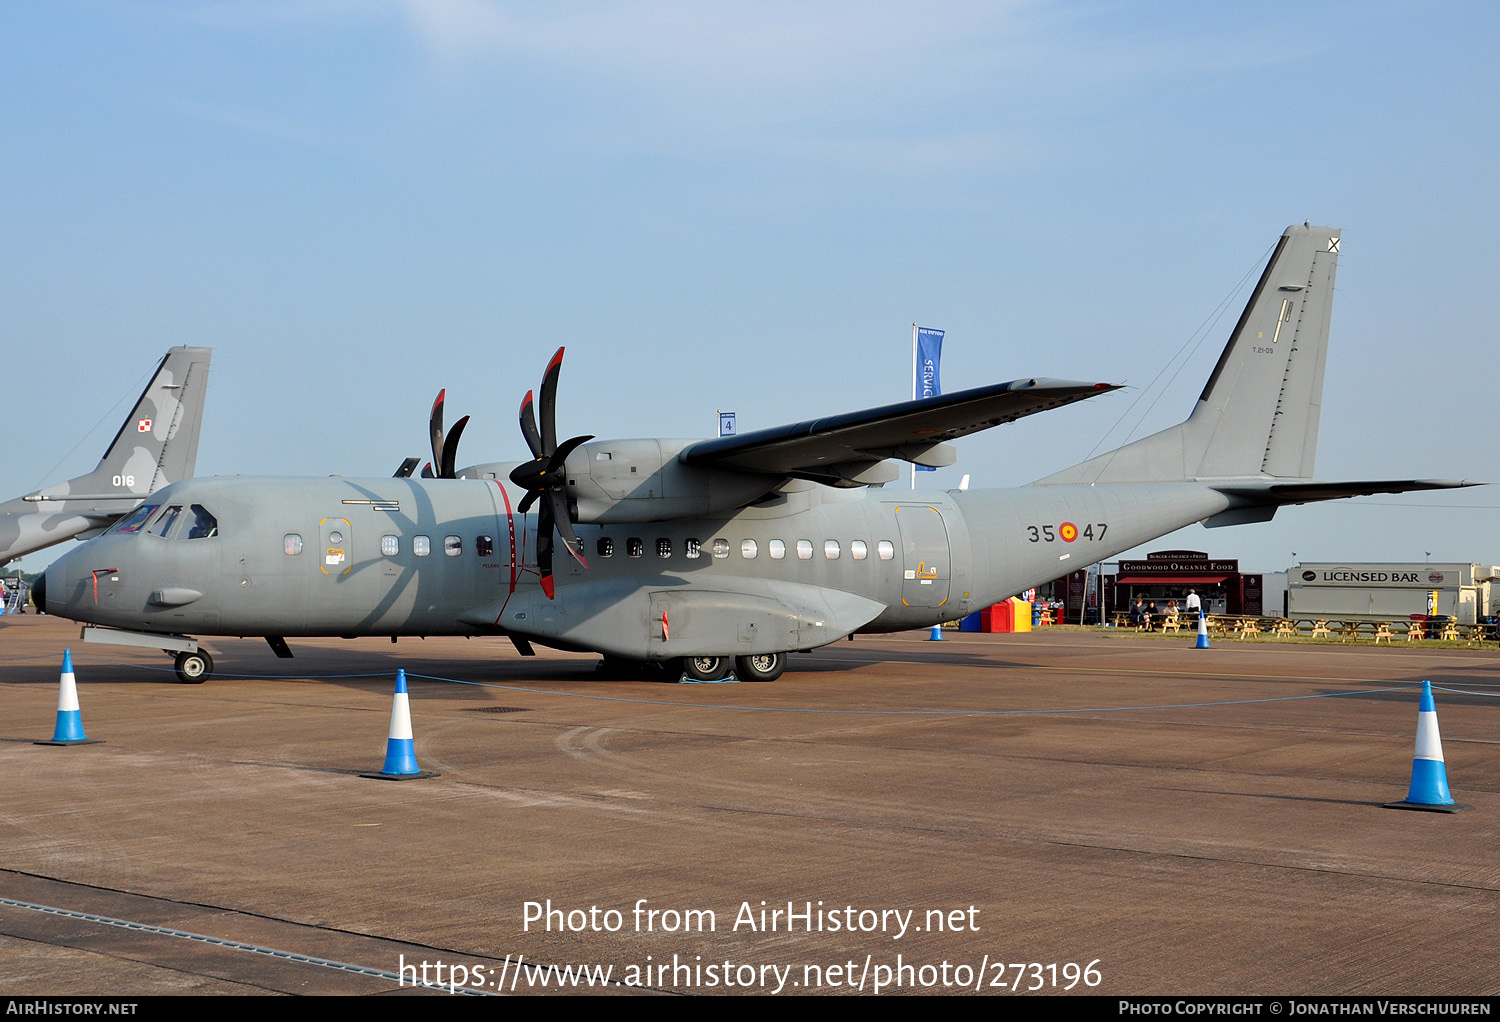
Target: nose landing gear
194 668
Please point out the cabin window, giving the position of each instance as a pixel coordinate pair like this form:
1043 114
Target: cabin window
605 546
634 547
164 521
484 546
421 545
390 546
858 550
663 548
133 521
831 549
452 546
291 544
885 549
804 549
204 525
721 548
777 549
691 548
747 549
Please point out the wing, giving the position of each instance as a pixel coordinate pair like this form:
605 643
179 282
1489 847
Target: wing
842 448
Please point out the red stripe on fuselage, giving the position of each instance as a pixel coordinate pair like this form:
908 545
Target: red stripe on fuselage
510 524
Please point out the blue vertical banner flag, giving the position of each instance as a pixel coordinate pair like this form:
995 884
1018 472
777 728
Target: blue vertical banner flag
929 355
928 345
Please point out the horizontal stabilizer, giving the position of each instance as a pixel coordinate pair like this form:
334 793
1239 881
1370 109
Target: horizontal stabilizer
829 448
1308 492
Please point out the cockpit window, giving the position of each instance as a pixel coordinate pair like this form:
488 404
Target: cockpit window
202 524
162 523
133 521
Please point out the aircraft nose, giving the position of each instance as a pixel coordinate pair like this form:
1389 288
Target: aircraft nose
39 592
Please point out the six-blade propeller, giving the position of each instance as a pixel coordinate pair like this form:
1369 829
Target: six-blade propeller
543 478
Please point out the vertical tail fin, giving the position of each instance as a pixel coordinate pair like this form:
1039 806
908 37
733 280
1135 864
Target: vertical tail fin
158 442
1258 414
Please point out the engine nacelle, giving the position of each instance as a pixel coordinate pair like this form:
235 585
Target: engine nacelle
642 481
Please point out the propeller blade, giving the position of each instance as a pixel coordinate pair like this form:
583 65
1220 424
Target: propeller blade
406 468
571 543
450 449
544 546
528 426
549 403
427 472
436 424
560 456
526 502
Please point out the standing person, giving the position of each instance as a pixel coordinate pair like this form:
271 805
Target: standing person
1194 605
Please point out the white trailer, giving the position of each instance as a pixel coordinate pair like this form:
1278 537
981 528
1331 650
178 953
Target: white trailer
1389 592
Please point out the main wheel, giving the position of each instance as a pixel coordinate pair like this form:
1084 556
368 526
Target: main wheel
194 668
706 668
760 667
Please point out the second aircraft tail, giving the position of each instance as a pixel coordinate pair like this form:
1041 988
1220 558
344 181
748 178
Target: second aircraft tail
158 442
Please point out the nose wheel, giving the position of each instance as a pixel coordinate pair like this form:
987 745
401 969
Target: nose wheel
194 668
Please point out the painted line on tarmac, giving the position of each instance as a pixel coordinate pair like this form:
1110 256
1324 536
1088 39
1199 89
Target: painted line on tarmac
915 713
236 945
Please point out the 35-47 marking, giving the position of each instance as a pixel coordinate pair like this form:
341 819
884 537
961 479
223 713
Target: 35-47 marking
1066 531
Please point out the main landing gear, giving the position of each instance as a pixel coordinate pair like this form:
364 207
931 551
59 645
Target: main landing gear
760 667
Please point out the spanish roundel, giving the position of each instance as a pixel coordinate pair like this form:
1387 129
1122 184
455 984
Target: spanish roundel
1068 531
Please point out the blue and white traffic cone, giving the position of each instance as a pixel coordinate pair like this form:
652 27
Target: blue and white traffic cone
69 729
1429 775
400 752
1202 632
936 635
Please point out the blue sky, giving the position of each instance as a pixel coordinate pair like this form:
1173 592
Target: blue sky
745 206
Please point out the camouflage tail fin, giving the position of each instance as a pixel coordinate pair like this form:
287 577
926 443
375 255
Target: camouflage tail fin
158 442
1258 414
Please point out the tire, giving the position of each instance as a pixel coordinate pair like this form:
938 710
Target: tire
706 668
760 667
194 668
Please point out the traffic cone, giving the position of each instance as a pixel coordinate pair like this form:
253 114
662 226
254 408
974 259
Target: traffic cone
400 754
1429 776
1202 631
936 635
69 729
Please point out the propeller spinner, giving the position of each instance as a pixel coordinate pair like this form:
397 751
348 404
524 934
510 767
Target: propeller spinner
543 477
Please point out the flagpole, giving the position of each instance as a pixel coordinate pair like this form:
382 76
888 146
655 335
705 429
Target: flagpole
914 392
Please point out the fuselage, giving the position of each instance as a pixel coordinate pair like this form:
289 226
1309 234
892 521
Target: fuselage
333 556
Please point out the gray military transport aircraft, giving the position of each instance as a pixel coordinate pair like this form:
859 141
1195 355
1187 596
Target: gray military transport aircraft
715 556
157 444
